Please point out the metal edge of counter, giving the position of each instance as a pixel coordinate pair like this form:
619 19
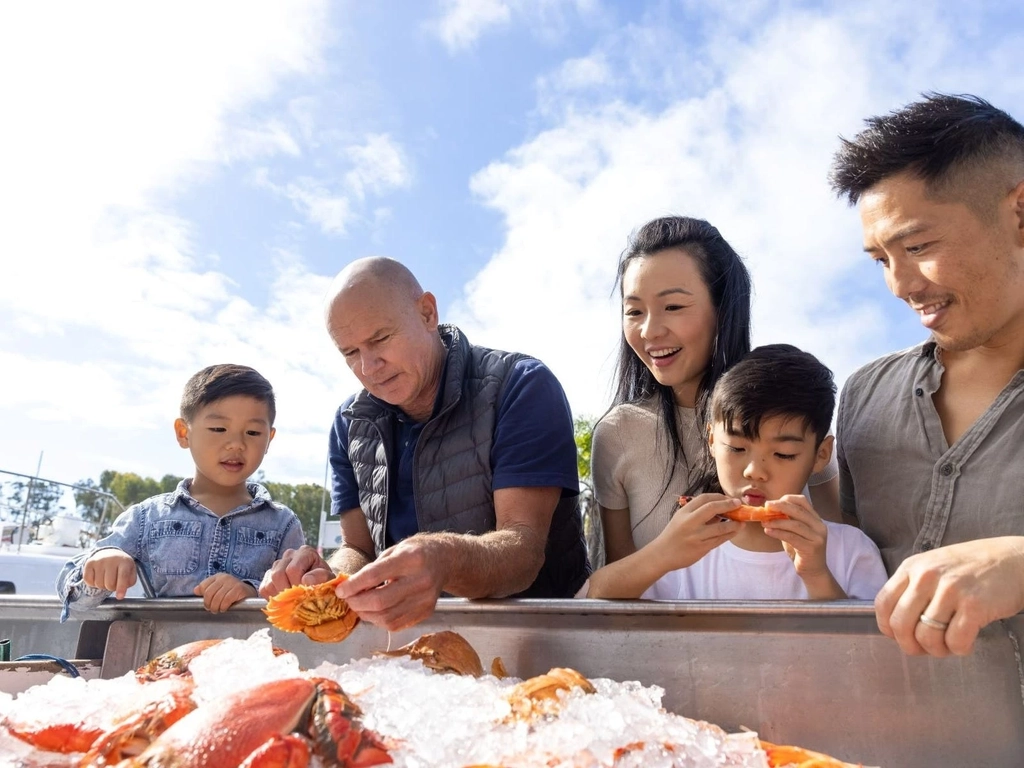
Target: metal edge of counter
816 674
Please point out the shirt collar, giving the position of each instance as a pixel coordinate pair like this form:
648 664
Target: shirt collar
183 492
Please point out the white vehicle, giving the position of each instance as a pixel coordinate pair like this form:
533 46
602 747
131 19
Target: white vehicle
28 572
32 569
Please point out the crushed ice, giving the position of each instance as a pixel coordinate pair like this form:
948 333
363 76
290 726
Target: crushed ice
434 720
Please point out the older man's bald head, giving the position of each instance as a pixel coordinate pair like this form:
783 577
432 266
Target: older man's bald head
386 325
379 275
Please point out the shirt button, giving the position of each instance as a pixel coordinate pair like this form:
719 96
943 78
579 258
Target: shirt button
946 470
927 546
216 564
223 521
919 392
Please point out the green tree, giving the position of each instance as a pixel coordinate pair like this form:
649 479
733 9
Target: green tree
37 500
305 500
128 488
583 429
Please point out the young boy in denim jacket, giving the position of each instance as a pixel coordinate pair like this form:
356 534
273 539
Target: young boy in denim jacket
216 534
770 415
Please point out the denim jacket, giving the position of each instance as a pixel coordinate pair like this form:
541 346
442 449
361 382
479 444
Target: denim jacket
177 542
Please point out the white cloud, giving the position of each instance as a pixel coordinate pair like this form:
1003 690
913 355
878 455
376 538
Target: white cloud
378 166
749 151
109 112
463 21
331 212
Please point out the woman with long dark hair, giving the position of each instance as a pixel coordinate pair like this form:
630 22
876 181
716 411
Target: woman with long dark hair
685 320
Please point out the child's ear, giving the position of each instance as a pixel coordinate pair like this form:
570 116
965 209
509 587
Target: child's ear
272 433
824 454
711 437
181 432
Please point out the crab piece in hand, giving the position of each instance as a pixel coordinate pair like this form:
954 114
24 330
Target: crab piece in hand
313 610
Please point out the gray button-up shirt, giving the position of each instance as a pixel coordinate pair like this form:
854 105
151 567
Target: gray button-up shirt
910 491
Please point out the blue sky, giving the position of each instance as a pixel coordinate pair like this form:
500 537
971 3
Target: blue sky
180 182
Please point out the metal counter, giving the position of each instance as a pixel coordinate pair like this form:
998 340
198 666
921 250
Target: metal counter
817 675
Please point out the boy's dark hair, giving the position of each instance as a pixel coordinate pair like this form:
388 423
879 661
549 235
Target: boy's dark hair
775 380
933 139
219 381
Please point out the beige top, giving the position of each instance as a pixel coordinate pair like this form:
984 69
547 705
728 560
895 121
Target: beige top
630 464
908 488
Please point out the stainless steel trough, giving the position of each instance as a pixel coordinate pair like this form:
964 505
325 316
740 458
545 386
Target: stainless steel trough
817 675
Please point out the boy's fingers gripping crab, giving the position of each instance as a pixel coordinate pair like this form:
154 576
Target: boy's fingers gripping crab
316 611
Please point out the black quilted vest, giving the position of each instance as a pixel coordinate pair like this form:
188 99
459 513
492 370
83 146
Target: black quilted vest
452 467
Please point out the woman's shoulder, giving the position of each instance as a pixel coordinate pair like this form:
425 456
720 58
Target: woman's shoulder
628 419
639 411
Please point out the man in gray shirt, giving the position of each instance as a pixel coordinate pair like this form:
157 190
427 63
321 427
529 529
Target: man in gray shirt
930 438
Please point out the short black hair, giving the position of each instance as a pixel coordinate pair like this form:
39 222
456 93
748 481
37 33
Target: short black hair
775 380
931 139
216 382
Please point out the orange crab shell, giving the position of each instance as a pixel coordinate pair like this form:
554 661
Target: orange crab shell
539 695
279 723
175 661
135 721
781 756
443 652
313 610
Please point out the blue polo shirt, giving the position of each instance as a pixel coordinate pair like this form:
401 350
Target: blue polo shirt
533 446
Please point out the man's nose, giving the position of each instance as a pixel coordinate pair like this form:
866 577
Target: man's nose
370 363
904 278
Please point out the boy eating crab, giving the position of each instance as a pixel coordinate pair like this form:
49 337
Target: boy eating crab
216 534
770 415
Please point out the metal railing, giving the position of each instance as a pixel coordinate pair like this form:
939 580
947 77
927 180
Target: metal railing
33 479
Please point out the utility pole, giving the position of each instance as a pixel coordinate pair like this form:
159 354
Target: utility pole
28 497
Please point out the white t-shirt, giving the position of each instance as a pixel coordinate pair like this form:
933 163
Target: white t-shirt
730 573
630 455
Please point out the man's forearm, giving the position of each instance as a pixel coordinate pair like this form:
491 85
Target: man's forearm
496 564
348 560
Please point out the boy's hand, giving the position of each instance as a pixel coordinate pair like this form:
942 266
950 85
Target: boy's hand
804 537
694 530
222 590
110 569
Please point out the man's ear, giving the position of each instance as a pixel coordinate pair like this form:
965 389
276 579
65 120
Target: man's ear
824 453
181 432
428 311
1017 194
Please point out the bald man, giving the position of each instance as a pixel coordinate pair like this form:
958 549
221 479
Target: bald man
930 437
453 470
